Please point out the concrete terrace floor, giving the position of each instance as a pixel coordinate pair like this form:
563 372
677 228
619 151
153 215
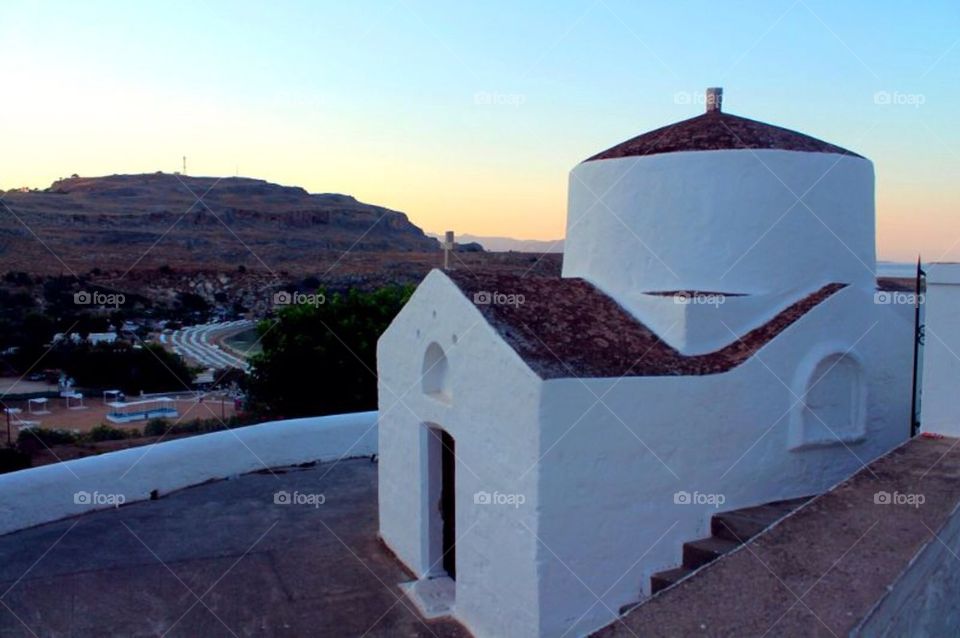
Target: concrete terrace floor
819 571
220 559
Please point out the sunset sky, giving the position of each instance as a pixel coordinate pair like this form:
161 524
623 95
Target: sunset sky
470 115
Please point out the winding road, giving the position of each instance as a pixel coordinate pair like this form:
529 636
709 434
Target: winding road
198 343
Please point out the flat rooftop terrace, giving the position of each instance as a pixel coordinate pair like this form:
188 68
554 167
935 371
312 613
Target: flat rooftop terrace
221 559
225 559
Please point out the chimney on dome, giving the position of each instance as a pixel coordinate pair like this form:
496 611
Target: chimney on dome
714 99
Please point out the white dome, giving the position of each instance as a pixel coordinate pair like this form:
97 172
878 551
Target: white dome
724 204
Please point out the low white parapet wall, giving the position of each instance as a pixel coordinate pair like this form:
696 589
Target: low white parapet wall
51 492
922 601
939 402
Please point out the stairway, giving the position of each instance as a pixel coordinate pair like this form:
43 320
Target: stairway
728 531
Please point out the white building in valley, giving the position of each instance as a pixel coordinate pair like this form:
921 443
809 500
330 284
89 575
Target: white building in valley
548 444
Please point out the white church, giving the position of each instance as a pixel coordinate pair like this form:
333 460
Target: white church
548 445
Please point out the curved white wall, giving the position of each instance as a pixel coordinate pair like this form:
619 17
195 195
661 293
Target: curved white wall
48 493
725 221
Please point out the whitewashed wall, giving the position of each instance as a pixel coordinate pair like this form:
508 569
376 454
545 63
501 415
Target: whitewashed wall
698 324
607 506
48 493
941 355
723 221
492 415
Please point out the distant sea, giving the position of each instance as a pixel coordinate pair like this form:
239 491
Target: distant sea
896 269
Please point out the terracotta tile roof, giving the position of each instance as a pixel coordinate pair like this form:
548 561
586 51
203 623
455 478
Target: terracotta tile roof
565 327
718 131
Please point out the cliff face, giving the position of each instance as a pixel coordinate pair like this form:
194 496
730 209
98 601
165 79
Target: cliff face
113 221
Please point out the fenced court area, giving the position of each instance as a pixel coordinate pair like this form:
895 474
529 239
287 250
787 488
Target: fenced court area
143 410
178 407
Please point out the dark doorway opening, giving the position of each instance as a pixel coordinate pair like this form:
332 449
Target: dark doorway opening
448 503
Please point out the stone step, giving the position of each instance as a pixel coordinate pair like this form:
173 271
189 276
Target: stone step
729 530
662 580
700 552
743 524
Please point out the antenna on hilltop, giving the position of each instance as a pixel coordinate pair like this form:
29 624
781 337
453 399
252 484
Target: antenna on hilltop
184 164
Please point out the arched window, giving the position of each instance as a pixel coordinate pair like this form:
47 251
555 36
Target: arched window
435 374
833 404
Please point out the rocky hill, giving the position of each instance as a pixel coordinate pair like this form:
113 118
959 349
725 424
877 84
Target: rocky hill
162 219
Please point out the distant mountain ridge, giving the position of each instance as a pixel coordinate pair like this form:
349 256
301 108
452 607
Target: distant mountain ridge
118 219
507 244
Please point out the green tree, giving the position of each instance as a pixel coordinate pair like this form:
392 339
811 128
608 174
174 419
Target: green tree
31 336
322 359
149 368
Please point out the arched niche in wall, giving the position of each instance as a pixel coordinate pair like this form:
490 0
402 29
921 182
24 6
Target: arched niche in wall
832 403
435 373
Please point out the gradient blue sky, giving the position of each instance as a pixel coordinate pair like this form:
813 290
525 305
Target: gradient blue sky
470 115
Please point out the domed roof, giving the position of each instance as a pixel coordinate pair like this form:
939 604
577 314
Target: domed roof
714 131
